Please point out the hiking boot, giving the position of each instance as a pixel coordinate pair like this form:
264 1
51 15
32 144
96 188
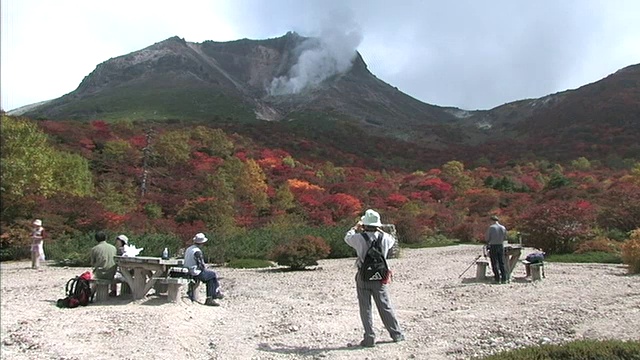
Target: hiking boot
211 302
398 338
219 295
367 343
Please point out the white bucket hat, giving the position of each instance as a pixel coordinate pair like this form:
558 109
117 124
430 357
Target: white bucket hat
124 239
371 218
200 238
37 222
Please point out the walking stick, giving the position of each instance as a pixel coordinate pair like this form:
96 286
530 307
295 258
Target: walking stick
467 269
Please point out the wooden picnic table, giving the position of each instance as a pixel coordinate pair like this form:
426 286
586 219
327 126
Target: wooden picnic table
511 255
142 272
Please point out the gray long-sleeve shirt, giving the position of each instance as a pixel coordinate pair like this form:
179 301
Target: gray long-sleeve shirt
496 234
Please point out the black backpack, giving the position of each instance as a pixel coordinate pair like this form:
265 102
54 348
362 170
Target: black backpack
374 267
78 290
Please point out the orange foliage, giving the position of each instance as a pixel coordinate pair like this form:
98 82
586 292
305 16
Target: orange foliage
631 252
301 185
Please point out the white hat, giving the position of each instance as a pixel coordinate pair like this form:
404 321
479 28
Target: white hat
371 218
124 238
200 238
37 222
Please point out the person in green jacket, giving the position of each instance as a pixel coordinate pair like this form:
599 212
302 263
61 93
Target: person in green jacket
104 266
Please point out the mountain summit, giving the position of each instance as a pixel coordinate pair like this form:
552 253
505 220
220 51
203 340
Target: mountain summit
246 80
299 80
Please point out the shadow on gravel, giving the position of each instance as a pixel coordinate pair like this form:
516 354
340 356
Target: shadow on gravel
303 350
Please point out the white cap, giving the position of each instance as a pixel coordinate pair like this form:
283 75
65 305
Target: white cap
124 238
37 222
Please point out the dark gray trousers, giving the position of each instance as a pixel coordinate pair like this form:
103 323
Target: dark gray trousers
376 289
496 253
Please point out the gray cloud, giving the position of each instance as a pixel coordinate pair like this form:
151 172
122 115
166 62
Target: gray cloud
469 54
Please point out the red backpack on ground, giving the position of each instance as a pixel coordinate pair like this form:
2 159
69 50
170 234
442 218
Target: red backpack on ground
78 290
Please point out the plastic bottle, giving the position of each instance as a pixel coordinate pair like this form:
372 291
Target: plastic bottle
165 253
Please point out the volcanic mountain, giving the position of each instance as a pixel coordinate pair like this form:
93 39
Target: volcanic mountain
176 79
256 81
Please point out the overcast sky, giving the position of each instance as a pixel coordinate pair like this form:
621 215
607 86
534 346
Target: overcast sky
469 54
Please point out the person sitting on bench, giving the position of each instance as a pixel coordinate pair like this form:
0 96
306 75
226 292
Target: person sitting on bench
194 261
104 266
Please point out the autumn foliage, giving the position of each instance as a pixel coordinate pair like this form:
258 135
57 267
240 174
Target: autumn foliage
179 179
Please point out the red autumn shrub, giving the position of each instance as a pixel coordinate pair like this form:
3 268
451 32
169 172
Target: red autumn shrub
557 226
301 252
600 244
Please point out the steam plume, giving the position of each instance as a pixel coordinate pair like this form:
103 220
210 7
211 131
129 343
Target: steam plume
330 54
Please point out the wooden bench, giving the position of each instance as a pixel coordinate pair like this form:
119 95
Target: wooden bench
481 269
174 285
535 271
102 288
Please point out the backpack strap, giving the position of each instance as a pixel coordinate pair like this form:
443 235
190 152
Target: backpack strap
70 287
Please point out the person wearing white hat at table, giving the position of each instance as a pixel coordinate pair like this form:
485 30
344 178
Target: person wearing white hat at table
194 261
121 241
37 248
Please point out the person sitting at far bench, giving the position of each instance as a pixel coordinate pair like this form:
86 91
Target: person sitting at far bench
194 261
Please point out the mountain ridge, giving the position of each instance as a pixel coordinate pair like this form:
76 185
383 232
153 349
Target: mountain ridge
231 81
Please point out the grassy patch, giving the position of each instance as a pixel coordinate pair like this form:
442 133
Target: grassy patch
249 263
432 241
588 257
576 350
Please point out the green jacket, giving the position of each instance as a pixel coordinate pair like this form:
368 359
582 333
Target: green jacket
104 266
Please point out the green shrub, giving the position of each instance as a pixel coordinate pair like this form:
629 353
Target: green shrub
576 350
258 243
71 249
153 244
75 259
301 252
588 257
432 241
249 263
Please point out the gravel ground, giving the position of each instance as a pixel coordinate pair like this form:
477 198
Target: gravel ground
275 314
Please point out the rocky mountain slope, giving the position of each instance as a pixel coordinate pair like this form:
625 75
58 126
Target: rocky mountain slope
252 81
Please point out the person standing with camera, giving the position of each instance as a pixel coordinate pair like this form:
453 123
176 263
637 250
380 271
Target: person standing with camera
367 239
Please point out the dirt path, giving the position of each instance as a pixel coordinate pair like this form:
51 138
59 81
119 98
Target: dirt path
273 314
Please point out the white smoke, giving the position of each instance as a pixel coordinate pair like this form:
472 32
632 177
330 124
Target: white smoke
329 54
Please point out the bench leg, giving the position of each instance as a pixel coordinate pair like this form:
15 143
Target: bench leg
535 272
125 290
192 290
173 292
102 292
481 271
